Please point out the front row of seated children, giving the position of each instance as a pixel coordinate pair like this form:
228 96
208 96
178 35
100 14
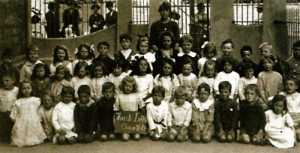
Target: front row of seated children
86 120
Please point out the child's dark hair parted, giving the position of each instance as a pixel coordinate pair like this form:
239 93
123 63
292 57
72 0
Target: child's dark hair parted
35 71
80 65
228 59
136 68
159 89
253 87
21 94
245 48
164 6
186 38
248 66
67 73
204 86
87 46
120 63
104 43
32 48
107 86
84 89
168 34
129 79
56 49
126 37
140 40
94 66
209 48
68 90
164 62
227 41
206 65
225 85
279 98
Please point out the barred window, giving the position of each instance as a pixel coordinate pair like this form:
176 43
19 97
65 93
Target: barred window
248 12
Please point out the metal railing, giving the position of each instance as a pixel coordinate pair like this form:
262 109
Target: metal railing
140 11
248 12
293 25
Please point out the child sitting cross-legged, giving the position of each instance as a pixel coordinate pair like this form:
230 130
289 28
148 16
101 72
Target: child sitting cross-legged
180 114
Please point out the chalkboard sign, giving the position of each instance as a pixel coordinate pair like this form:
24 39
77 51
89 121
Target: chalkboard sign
130 122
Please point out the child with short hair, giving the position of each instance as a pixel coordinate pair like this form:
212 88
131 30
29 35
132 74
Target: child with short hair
167 79
189 80
8 67
81 77
8 96
85 52
129 100
226 114
269 82
293 101
85 115
228 74
105 107
248 78
103 49
246 53
227 48
27 129
208 75
279 129
202 127
32 56
63 118
45 112
61 78
40 79
209 53
98 79
179 118
118 74
251 116
157 114
60 57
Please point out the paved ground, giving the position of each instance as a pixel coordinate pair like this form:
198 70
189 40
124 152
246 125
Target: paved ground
147 146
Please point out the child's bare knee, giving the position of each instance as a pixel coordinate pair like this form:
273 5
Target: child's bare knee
125 136
61 139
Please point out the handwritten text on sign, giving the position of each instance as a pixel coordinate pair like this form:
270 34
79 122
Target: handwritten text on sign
130 122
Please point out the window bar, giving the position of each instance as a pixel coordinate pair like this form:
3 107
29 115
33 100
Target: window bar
208 11
140 10
242 13
247 8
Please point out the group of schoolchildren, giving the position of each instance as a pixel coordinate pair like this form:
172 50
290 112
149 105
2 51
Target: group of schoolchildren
183 94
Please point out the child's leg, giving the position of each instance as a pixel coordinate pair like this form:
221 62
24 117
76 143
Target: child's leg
245 138
183 134
230 136
221 135
72 140
136 136
298 134
153 135
164 134
125 136
206 137
80 137
172 134
61 139
89 137
196 134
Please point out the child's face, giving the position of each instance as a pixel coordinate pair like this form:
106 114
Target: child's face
249 73
210 54
210 71
61 55
117 71
186 47
33 55
227 67
98 71
167 69
266 51
227 49
187 69
144 47
247 54
8 82
290 86
180 99
95 10
84 53
157 98
126 44
128 87
164 14
103 50
268 65
40 72
278 107
296 52
81 72
203 95
84 98
47 102
67 98
108 94
60 75
251 96
167 41
26 89
143 66
224 94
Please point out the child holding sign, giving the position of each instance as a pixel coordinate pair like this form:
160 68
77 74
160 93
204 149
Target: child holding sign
129 100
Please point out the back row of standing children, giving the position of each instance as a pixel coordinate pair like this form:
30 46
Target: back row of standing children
182 75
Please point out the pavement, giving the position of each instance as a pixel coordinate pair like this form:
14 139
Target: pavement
145 145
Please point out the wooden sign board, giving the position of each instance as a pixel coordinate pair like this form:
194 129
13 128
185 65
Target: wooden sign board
130 122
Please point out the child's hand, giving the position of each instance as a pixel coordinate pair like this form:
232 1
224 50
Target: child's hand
61 132
143 110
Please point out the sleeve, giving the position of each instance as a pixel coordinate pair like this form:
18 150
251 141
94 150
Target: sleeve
94 117
77 119
211 112
195 86
176 32
140 102
288 119
280 84
175 83
260 85
55 118
117 104
153 35
216 83
241 90
22 74
40 114
151 80
237 83
194 115
235 115
263 118
217 116
149 118
14 112
155 81
188 117
170 116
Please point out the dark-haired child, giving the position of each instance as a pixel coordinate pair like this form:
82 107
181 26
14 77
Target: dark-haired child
60 57
61 78
202 127
32 56
226 114
251 116
208 75
81 77
179 118
8 67
63 118
85 52
85 115
246 53
189 80
105 107
279 129
118 74
227 74
27 129
209 53
103 49
293 101
294 61
157 114
40 79
45 112
8 96
98 79
248 78
227 48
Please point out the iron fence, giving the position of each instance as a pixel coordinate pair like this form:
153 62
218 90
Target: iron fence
140 11
293 25
248 12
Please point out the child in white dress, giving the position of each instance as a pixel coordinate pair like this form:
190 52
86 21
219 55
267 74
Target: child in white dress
60 57
98 79
118 74
209 53
61 78
81 77
85 52
248 78
27 129
208 75
280 126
